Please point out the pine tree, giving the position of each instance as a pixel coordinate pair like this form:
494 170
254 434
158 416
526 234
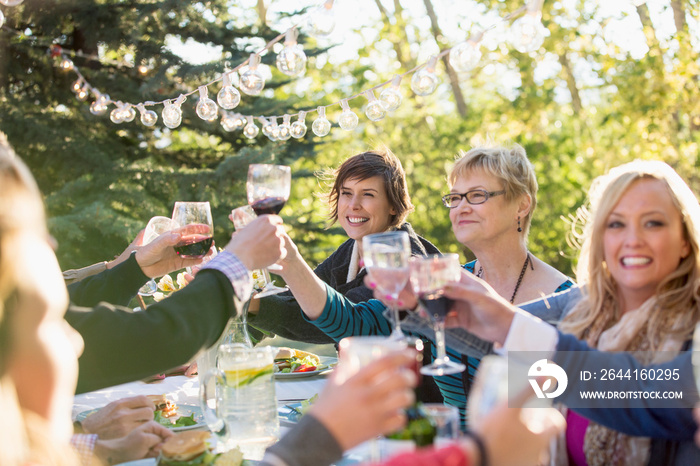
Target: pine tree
102 181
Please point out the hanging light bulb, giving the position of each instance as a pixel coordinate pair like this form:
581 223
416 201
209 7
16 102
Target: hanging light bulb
83 93
465 56
228 121
206 108
77 85
250 131
128 113
103 99
285 129
298 128
321 126
322 21
97 109
239 121
172 113
252 81
2 18
148 117
527 32
425 81
116 114
375 111
391 96
11 2
228 96
66 64
348 119
275 133
292 59
266 126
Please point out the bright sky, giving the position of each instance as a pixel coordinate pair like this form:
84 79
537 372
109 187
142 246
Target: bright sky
356 25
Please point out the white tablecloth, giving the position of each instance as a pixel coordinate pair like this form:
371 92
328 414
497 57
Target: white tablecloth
185 390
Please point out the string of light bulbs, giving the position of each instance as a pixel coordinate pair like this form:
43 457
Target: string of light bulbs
526 35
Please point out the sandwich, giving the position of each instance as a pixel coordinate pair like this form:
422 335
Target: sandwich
164 407
189 448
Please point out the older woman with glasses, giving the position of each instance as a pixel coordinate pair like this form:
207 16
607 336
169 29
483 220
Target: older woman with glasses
491 200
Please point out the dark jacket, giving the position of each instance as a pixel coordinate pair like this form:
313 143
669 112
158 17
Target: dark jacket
122 346
281 314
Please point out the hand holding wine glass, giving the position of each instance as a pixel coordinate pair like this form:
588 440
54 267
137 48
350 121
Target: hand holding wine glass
268 188
242 216
386 257
156 226
428 276
197 228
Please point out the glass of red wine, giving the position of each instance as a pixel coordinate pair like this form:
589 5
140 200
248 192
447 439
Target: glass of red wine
194 220
268 188
386 257
428 276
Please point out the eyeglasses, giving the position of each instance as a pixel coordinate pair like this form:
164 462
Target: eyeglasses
474 197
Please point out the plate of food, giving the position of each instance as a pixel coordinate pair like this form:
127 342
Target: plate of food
292 363
168 413
193 448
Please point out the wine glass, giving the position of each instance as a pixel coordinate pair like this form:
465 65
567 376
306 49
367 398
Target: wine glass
429 275
197 229
242 216
386 257
156 226
268 188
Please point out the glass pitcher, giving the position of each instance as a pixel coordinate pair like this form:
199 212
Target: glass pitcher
238 399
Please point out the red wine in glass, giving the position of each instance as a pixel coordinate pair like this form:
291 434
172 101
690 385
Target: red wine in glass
270 205
193 248
436 304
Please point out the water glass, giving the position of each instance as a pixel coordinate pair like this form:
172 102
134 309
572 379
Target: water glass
445 419
245 413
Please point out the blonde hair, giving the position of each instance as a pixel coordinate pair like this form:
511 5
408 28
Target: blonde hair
510 165
676 309
21 208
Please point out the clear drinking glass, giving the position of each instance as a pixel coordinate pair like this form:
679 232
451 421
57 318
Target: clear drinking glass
156 226
356 353
696 355
386 258
198 228
445 419
245 413
429 275
268 189
242 216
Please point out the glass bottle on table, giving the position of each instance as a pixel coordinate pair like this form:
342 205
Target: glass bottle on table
268 188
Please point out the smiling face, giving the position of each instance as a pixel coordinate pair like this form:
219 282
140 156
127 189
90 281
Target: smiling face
364 208
472 224
643 241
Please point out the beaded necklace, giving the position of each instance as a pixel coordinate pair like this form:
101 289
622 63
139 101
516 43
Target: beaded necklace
520 278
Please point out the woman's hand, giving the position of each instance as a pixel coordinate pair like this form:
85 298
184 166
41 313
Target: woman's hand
508 438
406 300
119 417
143 442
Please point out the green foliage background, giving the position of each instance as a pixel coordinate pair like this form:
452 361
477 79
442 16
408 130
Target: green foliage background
103 181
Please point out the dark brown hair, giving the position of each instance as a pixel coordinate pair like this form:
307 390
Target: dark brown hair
382 163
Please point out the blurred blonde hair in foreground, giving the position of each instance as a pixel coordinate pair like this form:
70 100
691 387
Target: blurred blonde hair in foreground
24 437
